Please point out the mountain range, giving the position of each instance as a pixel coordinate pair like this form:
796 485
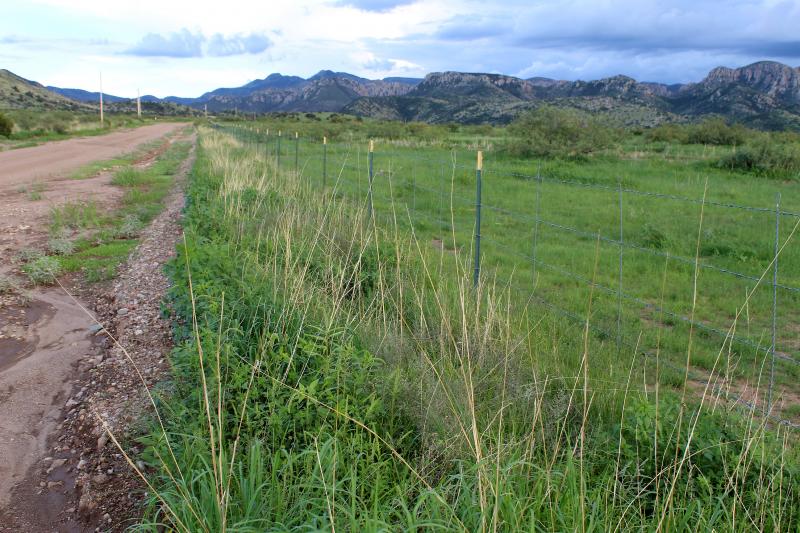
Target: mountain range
764 94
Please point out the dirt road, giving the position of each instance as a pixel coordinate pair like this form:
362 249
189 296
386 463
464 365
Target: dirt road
57 159
45 336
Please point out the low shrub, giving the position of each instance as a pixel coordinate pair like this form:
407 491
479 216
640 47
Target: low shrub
559 133
6 126
766 157
130 227
717 132
42 271
60 245
670 133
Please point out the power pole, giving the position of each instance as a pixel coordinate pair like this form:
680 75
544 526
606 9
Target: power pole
138 103
102 121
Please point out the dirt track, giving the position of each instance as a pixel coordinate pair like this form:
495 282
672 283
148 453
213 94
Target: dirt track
44 333
57 159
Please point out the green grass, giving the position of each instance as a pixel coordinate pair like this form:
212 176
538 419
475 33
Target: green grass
37 126
338 372
433 187
75 216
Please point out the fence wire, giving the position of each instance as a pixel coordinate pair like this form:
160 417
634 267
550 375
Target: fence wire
348 169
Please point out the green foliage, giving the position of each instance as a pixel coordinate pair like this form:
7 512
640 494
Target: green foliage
6 126
658 448
712 131
717 131
43 271
349 411
668 133
60 245
111 237
653 237
75 215
130 227
559 133
765 156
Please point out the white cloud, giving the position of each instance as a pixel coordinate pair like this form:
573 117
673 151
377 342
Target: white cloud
239 40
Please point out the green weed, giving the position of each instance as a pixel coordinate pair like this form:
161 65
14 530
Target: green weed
43 271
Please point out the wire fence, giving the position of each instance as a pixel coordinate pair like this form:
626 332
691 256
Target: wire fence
664 266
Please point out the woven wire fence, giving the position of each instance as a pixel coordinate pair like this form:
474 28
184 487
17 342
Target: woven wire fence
662 266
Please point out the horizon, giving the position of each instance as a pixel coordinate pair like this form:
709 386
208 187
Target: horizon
385 78
192 48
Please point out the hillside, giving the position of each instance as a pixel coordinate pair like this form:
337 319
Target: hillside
79 95
18 93
765 95
325 91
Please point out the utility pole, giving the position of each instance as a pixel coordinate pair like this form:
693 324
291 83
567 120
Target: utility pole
205 110
102 121
138 103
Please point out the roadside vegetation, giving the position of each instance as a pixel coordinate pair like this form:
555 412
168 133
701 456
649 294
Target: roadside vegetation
6 126
86 238
29 127
334 370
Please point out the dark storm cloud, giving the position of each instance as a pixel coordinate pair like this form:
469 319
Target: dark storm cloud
743 27
185 44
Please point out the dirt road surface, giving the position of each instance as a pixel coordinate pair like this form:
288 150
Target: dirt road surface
45 335
58 159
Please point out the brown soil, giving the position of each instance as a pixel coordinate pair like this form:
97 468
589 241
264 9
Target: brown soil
57 159
59 371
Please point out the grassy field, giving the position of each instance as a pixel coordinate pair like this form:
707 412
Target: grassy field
337 370
646 196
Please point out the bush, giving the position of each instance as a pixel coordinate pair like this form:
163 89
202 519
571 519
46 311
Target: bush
717 132
765 157
671 133
60 245
131 227
559 133
43 271
6 126
651 446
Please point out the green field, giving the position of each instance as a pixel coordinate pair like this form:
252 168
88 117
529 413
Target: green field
655 192
337 370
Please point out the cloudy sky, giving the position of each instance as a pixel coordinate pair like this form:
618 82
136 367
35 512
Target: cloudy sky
181 47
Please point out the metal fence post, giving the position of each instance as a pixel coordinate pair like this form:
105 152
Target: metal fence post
278 151
296 152
774 300
619 280
477 263
441 191
536 220
369 189
266 145
324 161
413 187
